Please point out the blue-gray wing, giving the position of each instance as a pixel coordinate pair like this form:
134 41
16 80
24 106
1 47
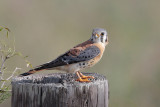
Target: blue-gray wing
73 56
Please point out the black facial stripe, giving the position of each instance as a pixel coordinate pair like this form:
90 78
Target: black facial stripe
102 33
102 39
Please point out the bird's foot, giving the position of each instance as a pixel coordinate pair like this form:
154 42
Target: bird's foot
83 78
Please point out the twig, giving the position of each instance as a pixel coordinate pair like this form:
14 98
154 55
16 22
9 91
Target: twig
10 76
5 90
4 60
2 65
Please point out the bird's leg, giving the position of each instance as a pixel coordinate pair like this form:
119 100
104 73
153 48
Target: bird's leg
84 77
81 79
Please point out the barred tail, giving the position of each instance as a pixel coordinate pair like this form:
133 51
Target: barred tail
39 68
25 74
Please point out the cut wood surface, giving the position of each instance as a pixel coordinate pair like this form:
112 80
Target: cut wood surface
59 90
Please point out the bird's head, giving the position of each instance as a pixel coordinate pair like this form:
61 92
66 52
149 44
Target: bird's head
99 35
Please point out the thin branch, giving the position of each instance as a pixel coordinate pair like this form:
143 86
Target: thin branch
5 90
10 76
2 65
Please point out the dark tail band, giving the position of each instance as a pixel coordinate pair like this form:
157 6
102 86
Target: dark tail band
38 68
26 74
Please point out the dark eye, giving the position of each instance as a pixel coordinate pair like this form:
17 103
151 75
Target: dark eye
102 33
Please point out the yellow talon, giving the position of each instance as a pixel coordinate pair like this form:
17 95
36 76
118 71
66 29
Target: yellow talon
83 78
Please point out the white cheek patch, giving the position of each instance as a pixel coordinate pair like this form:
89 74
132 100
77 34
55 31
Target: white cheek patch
103 39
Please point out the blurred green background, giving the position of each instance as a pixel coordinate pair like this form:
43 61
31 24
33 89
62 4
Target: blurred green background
131 62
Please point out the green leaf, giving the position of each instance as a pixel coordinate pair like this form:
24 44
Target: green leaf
3 80
7 34
1 28
29 64
4 96
7 29
9 50
26 56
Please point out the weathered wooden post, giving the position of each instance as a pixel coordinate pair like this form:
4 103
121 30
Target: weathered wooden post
59 90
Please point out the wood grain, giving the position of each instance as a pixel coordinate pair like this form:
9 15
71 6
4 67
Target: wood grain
59 90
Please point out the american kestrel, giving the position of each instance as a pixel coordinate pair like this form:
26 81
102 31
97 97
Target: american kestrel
82 56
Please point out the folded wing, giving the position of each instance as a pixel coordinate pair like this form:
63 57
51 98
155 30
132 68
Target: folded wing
74 56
